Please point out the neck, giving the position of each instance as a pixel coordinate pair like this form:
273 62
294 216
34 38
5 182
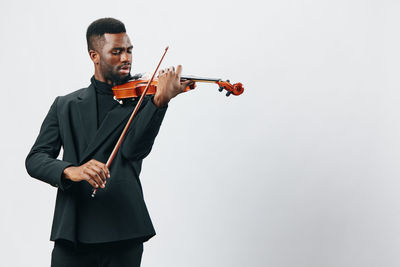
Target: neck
98 76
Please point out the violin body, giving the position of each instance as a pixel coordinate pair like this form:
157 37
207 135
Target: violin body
135 88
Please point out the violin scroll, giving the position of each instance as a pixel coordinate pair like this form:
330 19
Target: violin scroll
235 89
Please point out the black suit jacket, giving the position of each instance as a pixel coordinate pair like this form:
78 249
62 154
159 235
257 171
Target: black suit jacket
118 212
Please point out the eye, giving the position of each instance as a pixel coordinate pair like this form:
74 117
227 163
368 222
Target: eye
116 52
129 51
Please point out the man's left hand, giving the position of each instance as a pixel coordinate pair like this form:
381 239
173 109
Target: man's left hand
170 85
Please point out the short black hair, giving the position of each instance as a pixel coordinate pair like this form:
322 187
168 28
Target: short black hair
101 26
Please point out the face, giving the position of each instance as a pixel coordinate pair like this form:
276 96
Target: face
113 58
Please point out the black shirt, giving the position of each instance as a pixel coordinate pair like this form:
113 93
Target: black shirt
105 99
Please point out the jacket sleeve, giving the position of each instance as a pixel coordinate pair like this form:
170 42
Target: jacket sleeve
42 162
143 131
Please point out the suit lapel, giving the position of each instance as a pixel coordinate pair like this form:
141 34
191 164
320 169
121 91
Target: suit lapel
88 112
110 124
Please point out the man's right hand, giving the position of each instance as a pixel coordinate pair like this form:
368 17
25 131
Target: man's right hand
93 171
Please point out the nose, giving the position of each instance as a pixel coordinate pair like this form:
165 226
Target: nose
125 57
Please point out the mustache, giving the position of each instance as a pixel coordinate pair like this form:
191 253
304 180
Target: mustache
124 65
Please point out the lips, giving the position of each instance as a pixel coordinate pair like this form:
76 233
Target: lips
125 69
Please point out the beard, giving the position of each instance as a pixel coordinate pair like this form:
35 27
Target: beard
112 74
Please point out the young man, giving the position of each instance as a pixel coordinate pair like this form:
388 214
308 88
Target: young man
108 230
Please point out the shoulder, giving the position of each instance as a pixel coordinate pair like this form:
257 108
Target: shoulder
65 102
73 96
78 95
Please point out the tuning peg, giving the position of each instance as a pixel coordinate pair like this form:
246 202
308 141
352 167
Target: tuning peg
228 93
221 89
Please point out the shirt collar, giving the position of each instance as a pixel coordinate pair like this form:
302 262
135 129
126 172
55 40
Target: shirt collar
102 88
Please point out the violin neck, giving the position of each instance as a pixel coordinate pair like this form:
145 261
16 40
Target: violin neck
199 79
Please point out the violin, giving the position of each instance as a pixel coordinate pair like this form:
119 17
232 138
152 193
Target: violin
135 88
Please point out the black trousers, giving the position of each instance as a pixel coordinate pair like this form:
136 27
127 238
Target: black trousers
115 254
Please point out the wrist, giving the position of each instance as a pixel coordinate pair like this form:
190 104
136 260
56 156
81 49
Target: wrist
67 172
160 101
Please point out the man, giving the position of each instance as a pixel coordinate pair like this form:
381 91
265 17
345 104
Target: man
108 230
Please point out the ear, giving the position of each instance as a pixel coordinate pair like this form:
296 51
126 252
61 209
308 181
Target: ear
94 56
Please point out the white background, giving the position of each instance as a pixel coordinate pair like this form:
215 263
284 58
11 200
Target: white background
301 170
